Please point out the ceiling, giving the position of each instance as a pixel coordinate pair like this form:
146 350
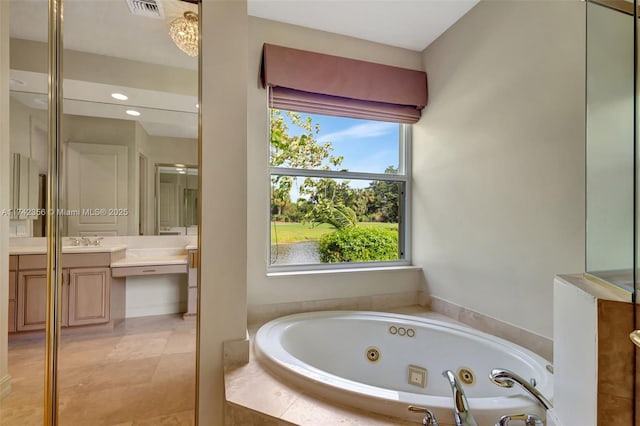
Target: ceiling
410 24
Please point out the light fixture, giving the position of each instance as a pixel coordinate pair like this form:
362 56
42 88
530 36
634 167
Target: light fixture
184 32
133 112
119 96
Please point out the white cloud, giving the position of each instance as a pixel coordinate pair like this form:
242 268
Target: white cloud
360 131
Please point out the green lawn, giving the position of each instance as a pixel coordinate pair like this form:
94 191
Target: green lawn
294 232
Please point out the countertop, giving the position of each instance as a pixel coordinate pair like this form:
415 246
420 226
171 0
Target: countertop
17 250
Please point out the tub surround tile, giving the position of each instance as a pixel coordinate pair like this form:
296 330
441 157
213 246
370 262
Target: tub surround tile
256 396
242 416
310 411
541 345
259 314
236 351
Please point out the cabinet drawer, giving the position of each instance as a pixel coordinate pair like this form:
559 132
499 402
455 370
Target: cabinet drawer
148 270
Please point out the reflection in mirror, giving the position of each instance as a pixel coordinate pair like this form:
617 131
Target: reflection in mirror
127 355
177 199
130 88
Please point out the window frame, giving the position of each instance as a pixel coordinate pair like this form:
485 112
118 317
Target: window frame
404 226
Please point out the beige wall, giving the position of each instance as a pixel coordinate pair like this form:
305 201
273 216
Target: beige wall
5 379
263 290
223 230
32 56
498 160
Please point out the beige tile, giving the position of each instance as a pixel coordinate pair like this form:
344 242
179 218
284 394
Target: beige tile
185 418
182 341
314 412
118 377
251 386
242 416
175 370
139 346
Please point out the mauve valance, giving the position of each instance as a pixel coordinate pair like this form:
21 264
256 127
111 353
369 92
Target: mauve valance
332 85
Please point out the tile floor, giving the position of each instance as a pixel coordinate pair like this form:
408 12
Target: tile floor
140 373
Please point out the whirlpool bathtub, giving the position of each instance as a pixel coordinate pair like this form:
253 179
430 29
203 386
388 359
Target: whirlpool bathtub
385 362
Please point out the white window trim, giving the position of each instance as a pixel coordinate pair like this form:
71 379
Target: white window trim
404 236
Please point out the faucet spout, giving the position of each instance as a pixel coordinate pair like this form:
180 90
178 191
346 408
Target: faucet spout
462 412
506 379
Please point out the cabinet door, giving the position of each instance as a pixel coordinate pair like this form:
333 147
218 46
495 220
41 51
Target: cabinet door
12 301
89 296
32 300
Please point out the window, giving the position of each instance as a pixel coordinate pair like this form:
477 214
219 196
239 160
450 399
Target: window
338 191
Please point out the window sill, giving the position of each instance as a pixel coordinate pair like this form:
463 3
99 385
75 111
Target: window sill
297 273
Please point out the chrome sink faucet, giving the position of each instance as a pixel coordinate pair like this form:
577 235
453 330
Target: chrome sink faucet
506 379
463 415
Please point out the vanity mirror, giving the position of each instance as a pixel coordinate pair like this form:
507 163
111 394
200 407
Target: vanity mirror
127 110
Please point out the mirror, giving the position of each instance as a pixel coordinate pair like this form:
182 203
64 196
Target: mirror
610 144
129 107
177 199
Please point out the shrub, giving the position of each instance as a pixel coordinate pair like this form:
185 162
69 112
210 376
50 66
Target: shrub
359 245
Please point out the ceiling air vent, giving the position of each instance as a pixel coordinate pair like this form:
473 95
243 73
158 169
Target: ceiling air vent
147 8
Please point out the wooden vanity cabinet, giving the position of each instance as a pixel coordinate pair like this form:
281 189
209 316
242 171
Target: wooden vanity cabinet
88 296
13 275
86 291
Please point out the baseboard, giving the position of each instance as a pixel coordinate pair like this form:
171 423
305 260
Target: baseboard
5 385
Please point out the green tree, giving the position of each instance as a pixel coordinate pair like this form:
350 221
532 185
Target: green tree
383 203
296 148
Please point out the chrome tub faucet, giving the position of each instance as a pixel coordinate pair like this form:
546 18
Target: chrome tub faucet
463 415
506 379
429 418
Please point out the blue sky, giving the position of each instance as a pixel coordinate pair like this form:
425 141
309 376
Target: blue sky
367 146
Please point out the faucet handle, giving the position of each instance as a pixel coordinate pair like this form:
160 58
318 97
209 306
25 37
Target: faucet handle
429 418
75 241
98 241
529 420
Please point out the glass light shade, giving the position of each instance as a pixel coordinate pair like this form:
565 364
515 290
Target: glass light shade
184 33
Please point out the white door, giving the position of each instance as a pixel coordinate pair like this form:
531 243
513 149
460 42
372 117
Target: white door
97 181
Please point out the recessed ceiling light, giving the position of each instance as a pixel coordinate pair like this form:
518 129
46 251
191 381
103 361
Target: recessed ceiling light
133 112
16 82
119 96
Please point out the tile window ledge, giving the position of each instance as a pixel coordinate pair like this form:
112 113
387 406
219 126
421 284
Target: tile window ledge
308 272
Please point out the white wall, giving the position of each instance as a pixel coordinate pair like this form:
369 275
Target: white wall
223 232
5 379
264 290
498 157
